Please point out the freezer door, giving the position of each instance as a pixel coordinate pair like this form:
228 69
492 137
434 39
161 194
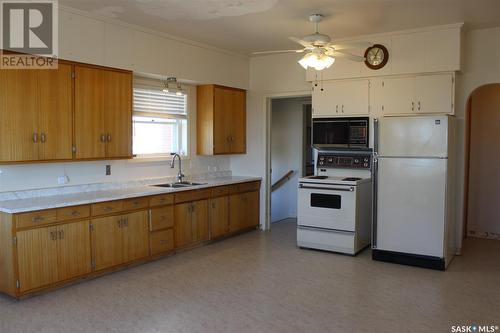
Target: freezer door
415 136
410 214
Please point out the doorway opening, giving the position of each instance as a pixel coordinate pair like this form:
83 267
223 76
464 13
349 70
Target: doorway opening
482 181
291 154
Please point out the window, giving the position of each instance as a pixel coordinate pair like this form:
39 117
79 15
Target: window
159 122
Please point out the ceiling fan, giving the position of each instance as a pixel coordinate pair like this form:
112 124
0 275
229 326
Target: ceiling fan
320 51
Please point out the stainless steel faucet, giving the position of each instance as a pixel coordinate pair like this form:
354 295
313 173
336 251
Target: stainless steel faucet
180 175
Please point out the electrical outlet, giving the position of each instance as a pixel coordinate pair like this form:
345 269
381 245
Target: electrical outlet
108 170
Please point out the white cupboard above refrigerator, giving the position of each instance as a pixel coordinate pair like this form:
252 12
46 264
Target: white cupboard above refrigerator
341 98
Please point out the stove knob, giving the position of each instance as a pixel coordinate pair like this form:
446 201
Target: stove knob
365 165
366 159
321 163
330 160
356 160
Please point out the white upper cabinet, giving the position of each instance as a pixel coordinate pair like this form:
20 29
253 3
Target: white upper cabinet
434 93
341 98
417 94
397 95
429 50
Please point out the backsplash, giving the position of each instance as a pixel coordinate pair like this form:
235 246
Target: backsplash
45 175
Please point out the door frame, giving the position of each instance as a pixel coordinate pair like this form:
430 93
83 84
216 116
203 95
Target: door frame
267 106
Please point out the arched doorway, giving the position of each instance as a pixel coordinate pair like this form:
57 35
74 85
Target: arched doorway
483 167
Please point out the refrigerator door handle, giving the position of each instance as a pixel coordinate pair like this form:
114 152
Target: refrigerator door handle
374 202
375 136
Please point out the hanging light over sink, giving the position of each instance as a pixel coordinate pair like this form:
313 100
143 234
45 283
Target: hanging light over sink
172 86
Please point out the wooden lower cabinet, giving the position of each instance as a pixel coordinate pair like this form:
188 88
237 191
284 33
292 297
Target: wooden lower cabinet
243 211
52 254
120 239
191 223
162 241
219 216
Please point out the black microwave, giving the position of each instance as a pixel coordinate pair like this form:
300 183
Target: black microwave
340 132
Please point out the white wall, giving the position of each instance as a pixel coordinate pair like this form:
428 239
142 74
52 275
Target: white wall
90 39
270 76
287 131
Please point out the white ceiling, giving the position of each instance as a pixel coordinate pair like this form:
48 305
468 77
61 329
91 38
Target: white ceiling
244 26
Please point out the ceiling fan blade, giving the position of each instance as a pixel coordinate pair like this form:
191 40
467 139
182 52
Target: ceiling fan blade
301 42
278 51
353 45
349 56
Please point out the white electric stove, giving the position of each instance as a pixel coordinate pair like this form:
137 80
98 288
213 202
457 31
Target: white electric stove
335 205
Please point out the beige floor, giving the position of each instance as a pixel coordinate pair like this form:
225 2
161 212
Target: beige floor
261 282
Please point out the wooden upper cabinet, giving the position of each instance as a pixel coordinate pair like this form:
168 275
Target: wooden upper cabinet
18 115
55 101
103 113
118 113
221 120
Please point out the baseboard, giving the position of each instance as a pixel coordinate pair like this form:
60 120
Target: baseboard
435 263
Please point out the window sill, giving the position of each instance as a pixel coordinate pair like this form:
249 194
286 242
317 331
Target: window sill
149 159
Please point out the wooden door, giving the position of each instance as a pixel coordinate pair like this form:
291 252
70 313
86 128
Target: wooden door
238 122
355 98
55 105
118 113
251 207
434 93
199 221
73 250
219 217
398 96
183 225
223 107
107 242
37 257
90 133
236 213
19 135
135 236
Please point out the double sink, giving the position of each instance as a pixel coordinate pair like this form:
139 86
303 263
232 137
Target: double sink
180 184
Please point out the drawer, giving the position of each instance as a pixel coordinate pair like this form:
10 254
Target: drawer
74 212
220 191
34 219
108 207
192 195
135 203
245 187
162 218
160 200
161 241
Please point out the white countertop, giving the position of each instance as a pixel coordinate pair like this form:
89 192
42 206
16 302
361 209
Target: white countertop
40 202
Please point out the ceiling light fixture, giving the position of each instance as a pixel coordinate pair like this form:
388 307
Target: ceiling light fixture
318 61
172 86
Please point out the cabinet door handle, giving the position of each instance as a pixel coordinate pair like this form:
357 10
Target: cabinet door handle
103 137
120 221
42 137
213 205
35 137
413 106
53 235
342 108
108 138
61 234
337 108
418 107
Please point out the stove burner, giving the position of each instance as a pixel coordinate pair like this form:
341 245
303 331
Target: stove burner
351 179
318 177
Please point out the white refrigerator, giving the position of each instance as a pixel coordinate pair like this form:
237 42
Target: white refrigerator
413 195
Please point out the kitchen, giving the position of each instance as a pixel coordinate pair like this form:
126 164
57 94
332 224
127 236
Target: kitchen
108 44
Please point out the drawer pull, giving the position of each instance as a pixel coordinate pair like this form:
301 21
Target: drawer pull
108 208
38 218
75 213
163 241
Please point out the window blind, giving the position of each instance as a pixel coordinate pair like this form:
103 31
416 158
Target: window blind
154 102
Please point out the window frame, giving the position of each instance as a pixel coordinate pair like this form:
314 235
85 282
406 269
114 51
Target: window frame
190 108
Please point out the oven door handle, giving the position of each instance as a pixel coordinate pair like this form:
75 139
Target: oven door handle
350 189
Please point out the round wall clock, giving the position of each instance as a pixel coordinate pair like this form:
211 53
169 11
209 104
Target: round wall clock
376 56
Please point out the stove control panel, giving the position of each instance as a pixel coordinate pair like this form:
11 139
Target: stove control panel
344 161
